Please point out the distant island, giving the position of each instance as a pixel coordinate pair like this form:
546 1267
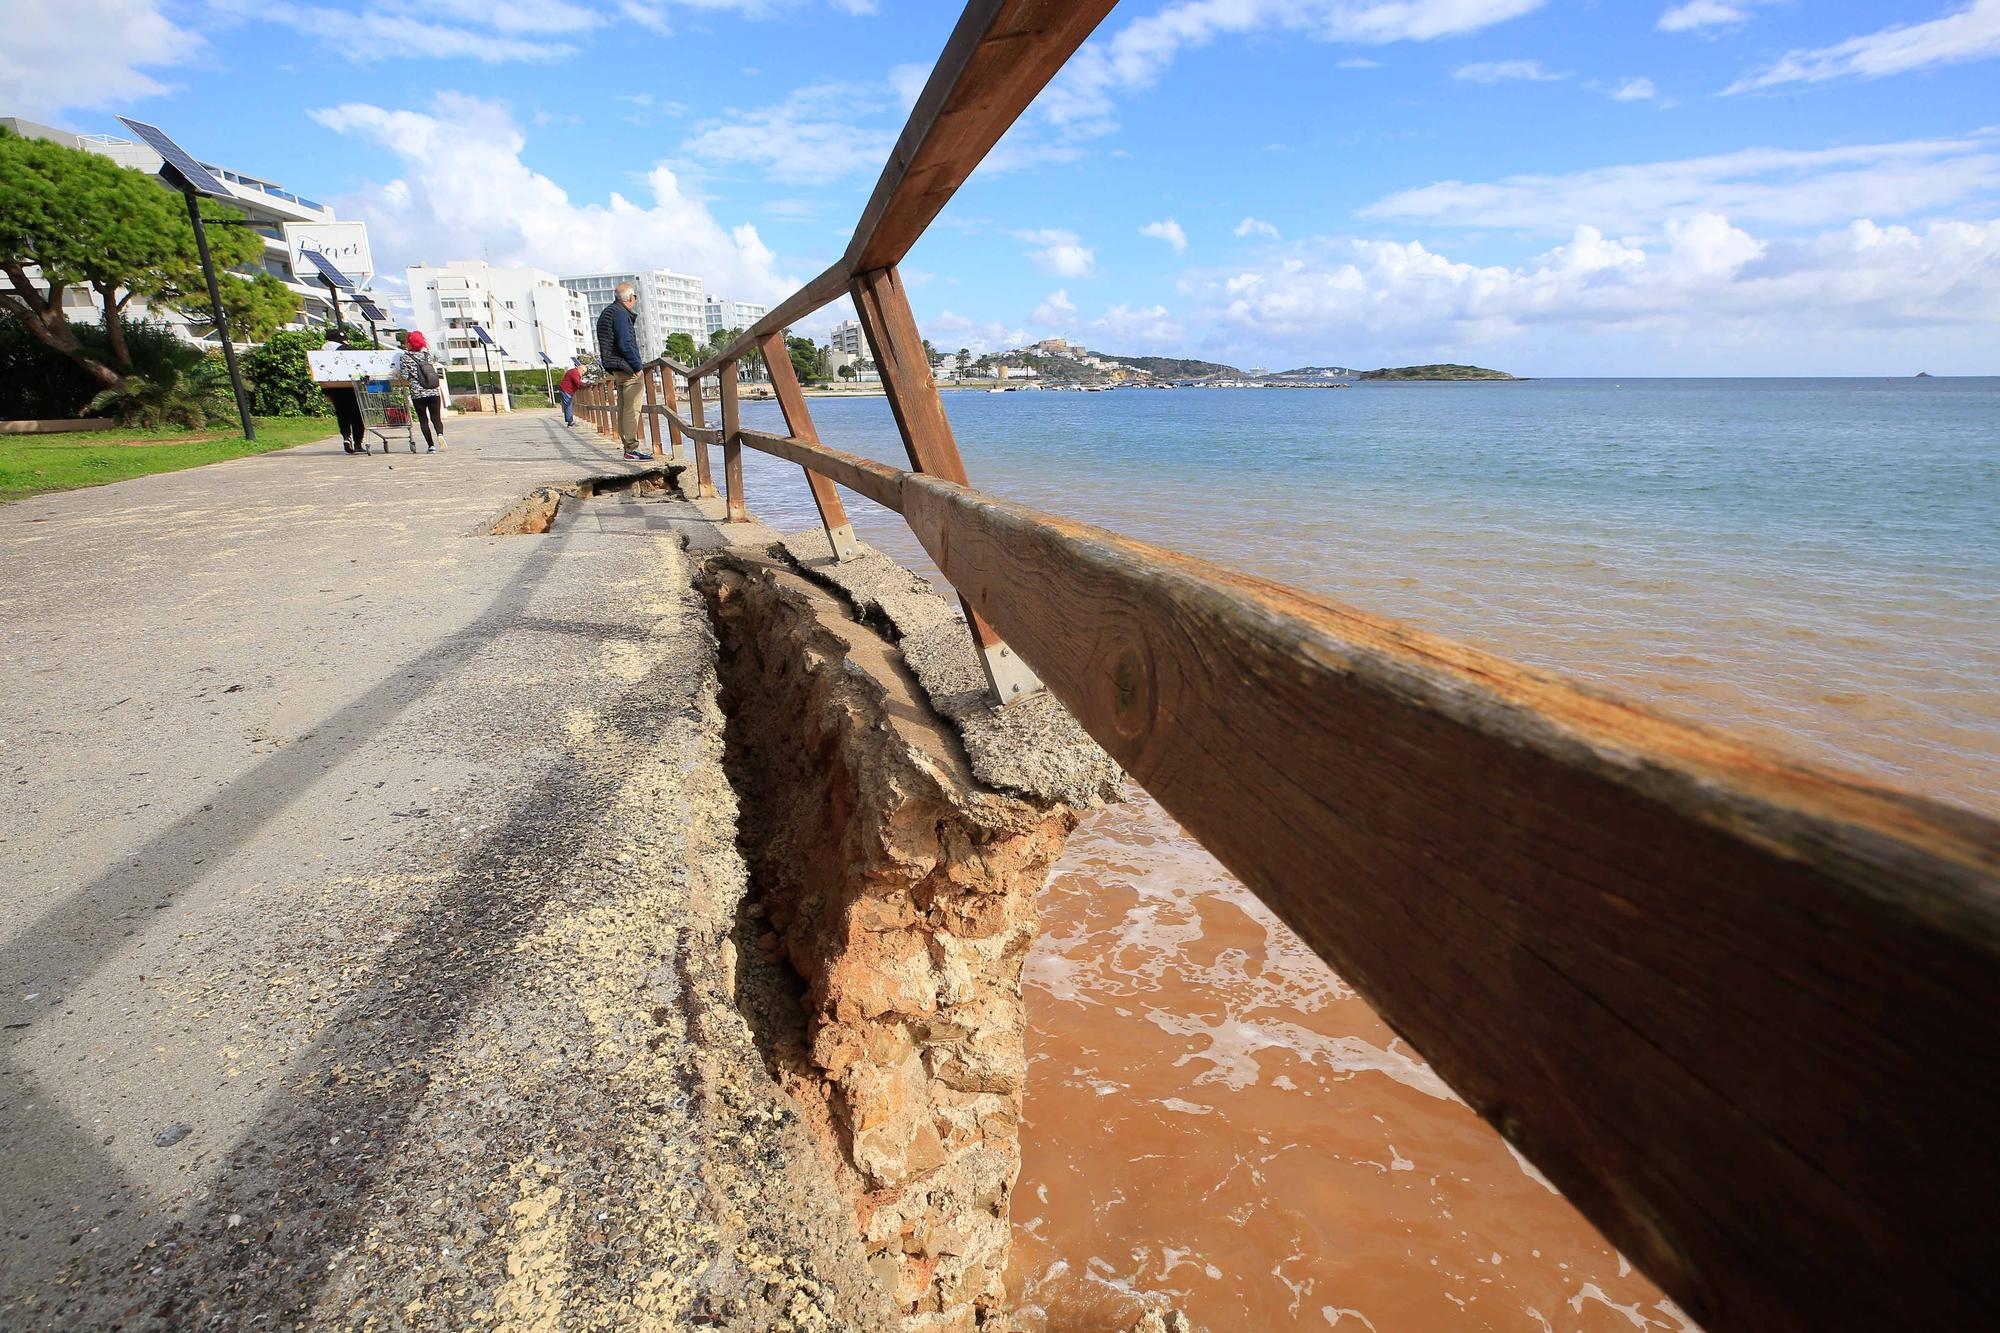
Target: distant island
1058 363
1172 367
1445 372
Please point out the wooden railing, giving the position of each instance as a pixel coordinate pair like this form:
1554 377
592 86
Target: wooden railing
1744 1011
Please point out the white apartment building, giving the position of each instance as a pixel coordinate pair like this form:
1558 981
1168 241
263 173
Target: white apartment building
669 303
528 312
847 337
270 206
732 314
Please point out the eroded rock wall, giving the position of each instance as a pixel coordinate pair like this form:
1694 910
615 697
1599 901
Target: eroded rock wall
902 891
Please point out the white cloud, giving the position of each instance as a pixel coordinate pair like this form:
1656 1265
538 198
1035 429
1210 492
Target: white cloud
1971 33
949 328
1764 185
1697 14
1705 280
1256 227
1168 231
1057 311
465 193
502 32
1062 252
1136 55
1498 71
908 83
490 31
1635 90
1121 329
1359 62
82 53
763 8
809 138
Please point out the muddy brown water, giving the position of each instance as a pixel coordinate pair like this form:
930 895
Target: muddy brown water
1213 1115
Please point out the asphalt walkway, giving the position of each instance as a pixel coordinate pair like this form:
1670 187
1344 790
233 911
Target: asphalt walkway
367 883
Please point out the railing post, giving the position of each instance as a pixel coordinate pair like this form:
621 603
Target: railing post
704 485
673 405
652 401
799 423
732 443
891 327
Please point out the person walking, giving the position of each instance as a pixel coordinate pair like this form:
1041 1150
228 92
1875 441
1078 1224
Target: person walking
618 349
346 404
571 383
426 388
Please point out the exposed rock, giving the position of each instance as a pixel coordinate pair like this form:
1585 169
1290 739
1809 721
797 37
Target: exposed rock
1162 1321
1032 746
902 890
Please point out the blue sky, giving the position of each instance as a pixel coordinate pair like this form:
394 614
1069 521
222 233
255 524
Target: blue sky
1550 186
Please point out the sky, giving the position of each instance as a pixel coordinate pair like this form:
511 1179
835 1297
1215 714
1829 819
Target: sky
1552 187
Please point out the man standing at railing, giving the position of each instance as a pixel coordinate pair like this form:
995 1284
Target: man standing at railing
618 349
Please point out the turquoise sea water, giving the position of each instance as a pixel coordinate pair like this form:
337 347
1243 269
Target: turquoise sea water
1815 563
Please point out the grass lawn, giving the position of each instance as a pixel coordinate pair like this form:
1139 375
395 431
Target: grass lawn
35 464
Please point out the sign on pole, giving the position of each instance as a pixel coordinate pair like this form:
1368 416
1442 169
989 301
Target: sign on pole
345 245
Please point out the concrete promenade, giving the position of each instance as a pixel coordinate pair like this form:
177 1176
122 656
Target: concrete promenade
367 886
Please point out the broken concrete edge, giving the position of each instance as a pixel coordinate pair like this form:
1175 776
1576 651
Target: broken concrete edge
1032 747
902 890
535 513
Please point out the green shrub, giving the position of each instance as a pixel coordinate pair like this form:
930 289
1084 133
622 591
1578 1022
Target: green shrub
37 382
279 381
172 396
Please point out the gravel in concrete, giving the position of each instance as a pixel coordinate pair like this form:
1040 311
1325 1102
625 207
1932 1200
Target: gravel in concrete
365 955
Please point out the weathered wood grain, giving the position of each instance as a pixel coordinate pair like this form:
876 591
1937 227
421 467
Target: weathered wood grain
884 312
1742 1010
652 417
732 445
1000 56
864 476
672 401
798 420
698 436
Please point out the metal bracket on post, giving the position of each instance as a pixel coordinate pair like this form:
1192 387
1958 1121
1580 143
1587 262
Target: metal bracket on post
1010 678
841 537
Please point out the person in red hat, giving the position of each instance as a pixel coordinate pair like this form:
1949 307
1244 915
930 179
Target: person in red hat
426 388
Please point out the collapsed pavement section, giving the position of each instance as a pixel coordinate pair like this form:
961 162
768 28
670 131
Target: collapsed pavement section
381 950
901 888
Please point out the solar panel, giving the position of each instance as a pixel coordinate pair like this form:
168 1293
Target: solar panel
328 271
369 310
193 175
547 360
484 336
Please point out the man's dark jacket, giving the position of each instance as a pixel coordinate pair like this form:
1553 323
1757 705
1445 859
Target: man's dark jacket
617 340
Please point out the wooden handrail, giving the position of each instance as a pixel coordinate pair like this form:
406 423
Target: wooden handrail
864 476
998 59
707 434
1741 1009
1001 54
1688 977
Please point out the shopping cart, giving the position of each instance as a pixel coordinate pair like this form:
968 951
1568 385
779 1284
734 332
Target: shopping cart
385 409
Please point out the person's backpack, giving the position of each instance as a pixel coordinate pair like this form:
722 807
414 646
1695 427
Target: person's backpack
423 372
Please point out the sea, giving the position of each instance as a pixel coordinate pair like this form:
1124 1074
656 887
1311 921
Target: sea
1213 1117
